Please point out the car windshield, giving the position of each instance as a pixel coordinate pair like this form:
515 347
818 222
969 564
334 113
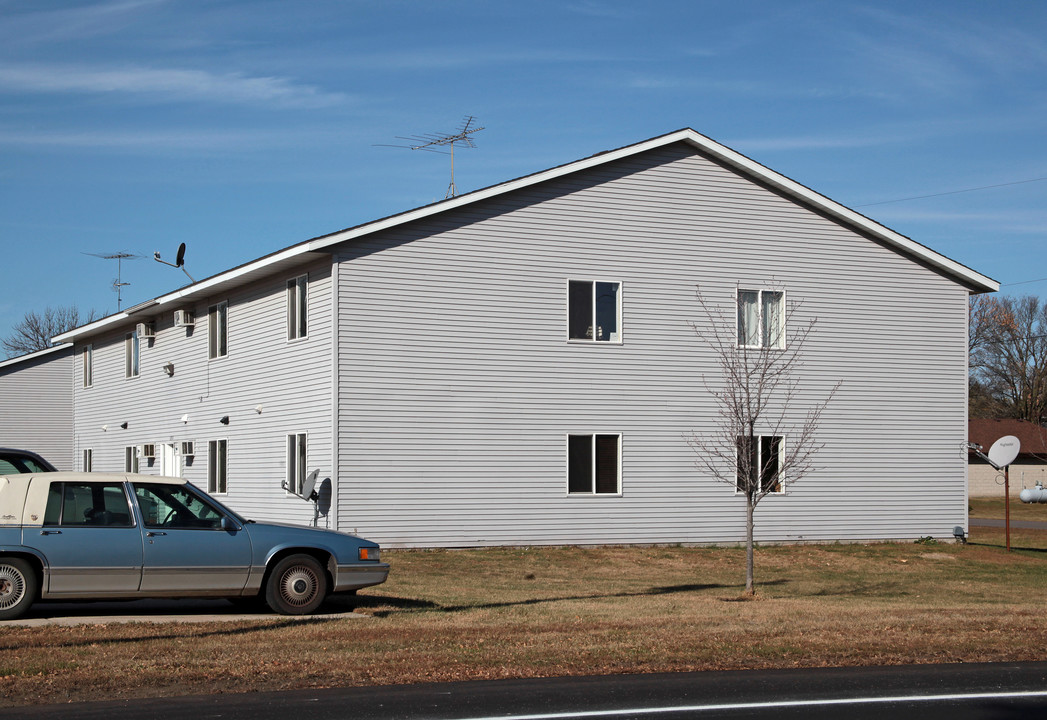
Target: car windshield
17 463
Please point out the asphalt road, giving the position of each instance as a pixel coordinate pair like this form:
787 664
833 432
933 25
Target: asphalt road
927 692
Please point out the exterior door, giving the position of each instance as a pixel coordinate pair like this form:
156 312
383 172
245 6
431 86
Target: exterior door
90 540
170 462
186 549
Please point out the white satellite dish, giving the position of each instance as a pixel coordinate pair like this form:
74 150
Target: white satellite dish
1004 450
309 486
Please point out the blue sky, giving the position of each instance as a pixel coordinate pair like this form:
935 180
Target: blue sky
243 127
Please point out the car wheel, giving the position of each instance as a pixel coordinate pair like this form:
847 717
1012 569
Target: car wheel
297 585
18 587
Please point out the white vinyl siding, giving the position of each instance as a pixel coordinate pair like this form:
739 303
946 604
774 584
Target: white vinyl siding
36 404
459 440
266 386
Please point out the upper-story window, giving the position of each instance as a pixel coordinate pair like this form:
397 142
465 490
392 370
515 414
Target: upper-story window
594 311
761 319
132 355
297 323
218 330
88 360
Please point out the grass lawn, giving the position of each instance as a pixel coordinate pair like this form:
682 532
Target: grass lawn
470 614
993 508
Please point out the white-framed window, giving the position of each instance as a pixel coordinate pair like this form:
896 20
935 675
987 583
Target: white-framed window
761 319
87 356
297 316
218 330
131 459
296 463
594 311
132 355
594 464
764 456
87 464
218 467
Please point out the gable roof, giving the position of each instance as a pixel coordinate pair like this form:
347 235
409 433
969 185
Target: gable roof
1032 438
962 274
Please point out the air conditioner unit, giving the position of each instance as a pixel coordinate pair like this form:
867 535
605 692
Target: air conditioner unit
188 449
145 330
148 451
184 318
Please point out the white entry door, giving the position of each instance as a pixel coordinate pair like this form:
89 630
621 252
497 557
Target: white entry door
170 462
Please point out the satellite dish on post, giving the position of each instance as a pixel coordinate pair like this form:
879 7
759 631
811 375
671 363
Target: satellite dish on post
180 257
1003 451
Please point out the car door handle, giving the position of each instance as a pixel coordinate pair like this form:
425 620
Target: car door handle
153 533
50 532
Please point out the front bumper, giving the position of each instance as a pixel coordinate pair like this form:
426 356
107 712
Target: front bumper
359 575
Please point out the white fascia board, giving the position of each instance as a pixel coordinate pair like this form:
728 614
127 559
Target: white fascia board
34 355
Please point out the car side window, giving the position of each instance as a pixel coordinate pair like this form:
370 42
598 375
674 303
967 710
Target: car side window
175 506
97 504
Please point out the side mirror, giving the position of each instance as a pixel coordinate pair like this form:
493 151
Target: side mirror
230 525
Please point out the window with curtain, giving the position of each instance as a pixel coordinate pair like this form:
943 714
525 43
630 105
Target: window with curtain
761 319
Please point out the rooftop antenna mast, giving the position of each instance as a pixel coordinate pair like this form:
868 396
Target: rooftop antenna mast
118 284
431 141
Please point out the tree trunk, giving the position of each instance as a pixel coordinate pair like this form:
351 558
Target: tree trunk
750 588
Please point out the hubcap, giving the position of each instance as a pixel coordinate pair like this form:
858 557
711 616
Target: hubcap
299 586
12 586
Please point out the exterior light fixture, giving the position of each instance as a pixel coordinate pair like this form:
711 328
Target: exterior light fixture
123 426
169 368
105 428
224 420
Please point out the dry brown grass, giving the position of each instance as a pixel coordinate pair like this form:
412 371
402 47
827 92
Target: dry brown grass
993 508
451 615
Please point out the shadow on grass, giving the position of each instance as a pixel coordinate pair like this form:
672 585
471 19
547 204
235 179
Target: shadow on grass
1014 548
402 605
189 633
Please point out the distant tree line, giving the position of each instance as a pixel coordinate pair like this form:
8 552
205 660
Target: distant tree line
1007 345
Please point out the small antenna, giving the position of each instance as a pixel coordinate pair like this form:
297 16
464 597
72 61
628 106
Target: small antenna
179 261
118 283
430 141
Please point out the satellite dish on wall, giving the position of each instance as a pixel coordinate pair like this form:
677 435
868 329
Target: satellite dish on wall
1004 450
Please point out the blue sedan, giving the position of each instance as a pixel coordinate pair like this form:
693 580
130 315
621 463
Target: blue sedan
91 535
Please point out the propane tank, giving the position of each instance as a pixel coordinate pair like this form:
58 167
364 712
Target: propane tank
1033 494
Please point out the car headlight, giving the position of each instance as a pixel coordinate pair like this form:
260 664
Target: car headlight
369 553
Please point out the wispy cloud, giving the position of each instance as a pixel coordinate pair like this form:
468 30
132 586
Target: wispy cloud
169 85
30 25
132 140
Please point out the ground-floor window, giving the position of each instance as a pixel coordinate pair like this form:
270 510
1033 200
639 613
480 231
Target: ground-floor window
131 459
88 460
763 455
296 463
593 464
217 466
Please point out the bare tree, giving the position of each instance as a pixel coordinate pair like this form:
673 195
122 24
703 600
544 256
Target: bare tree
1008 357
765 433
35 330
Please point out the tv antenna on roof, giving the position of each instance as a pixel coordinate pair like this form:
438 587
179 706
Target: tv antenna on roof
431 141
118 283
